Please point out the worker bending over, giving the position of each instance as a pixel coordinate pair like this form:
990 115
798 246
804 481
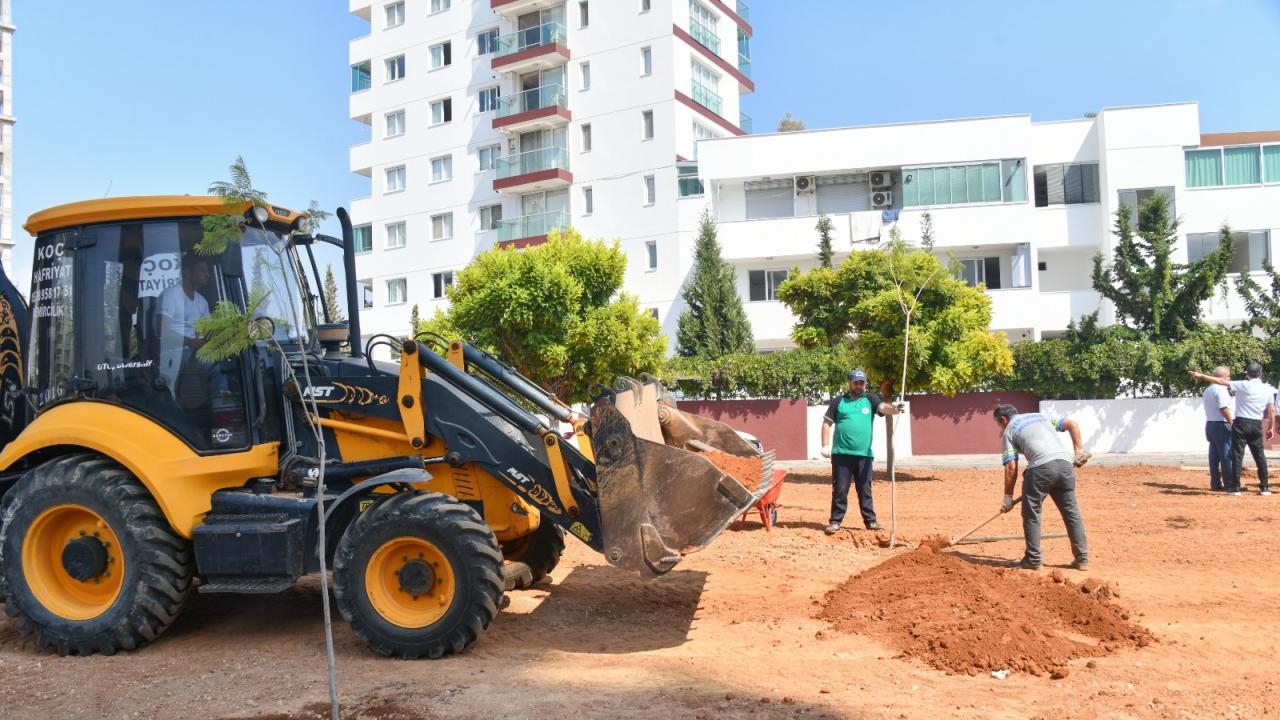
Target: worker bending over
1050 471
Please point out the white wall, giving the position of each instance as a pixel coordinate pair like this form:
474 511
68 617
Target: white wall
901 434
1144 425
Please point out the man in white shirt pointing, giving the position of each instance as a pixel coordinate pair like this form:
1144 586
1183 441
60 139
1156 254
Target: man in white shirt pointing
1254 421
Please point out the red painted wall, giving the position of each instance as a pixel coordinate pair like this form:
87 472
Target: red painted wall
779 424
961 425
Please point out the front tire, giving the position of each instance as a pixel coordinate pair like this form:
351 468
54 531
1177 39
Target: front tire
418 574
88 561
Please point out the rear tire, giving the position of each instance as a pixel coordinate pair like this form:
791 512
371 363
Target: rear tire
418 574
540 550
135 572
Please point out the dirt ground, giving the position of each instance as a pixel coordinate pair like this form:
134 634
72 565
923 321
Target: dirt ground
734 632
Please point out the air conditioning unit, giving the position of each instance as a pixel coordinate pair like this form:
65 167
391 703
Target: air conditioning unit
806 184
881 198
881 178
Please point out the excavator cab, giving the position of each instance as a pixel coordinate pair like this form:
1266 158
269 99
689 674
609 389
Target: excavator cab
136 471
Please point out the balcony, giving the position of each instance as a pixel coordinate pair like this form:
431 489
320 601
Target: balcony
744 64
536 48
744 122
512 9
531 229
538 108
543 169
706 97
744 11
705 36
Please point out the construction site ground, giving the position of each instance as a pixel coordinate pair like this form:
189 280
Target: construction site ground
736 631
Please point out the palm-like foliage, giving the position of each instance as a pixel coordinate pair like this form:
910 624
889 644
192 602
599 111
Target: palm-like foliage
221 229
227 331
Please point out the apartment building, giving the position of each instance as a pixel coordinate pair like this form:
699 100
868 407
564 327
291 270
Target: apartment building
495 121
6 135
1020 206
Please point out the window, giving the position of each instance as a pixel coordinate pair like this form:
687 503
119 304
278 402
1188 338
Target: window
646 61
363 236
397 291
583 16
442 168
361 77
1070 184
489 155
706 87
1250 248
441 55
763 284
701 132
440 5
487 42
650 190
395 179
1133 199
394 14
651 254
646 118
980 271
702 26
687 180
442 226
490 216
395 235
990 182
1239 165
769 199
489 99
366 293
395 68
646 6
395 123
439 282
442 111
585 70
588 200
586 137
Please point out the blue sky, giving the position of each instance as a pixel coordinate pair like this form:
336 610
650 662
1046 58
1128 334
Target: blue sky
158 96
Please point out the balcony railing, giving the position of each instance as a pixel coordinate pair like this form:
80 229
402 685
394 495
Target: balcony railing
549 158
704 35
706 97
744 11
542 35
744 64
690 186
531 225
361 79
744 122
533 99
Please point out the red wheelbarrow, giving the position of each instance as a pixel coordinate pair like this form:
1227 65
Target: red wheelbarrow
766 503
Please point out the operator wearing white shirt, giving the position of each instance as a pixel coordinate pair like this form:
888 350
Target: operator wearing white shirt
1254 421
180 306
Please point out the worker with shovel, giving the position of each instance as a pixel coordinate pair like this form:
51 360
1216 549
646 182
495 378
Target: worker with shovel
1050 471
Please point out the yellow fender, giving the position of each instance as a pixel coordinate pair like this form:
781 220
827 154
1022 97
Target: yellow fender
180 480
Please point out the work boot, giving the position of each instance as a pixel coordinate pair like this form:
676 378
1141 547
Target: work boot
1080 565
873 525
832 529
1026 564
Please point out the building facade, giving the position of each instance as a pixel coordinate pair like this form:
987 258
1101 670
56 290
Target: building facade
1021 207
494 122
6 135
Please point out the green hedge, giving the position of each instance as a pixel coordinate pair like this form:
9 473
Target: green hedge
811 374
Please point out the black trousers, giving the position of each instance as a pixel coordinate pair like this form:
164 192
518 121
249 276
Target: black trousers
1247 431
847 470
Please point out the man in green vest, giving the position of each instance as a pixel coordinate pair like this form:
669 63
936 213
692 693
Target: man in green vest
852 415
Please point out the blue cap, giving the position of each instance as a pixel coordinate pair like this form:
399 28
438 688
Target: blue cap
857 375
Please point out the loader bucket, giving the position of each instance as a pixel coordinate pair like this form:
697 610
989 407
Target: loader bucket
660 500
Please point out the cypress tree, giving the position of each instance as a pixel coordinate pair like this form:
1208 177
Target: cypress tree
825 252
714 322
331 295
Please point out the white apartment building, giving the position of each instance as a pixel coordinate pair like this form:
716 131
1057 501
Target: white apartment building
6 136
1022 206
494 121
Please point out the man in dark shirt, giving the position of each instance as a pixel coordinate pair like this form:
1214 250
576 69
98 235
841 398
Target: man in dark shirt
852 417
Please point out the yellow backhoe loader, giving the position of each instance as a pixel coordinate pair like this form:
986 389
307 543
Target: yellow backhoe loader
133 473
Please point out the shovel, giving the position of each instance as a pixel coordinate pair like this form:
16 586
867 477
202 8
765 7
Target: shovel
979 526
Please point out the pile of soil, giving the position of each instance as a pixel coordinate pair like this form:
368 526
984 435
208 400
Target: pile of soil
746 470
965 618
